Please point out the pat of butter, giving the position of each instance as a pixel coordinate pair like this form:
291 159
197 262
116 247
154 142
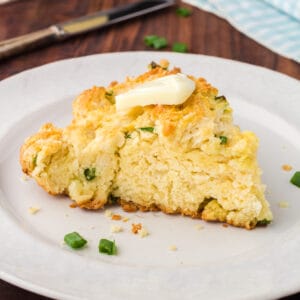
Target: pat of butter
168 90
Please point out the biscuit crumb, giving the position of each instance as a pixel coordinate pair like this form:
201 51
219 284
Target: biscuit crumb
164 63
143 232
108 213
73 205
24 178
125 219
92 227
173 248
225 225
283 204
286 168
33 210
116 229
136 227
116 217
199 226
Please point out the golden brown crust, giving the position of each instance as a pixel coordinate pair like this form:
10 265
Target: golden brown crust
129 206
189 132
31 146
93 205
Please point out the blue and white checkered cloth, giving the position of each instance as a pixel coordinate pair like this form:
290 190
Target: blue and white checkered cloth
272 23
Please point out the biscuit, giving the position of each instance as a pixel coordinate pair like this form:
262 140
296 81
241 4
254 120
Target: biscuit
187 159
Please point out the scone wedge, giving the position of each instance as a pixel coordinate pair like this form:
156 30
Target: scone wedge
188 159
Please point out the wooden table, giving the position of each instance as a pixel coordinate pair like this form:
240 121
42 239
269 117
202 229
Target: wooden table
204 33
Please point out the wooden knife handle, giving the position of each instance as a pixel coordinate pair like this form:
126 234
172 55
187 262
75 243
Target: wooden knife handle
28 41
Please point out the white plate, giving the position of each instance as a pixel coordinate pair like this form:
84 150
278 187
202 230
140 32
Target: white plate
212 263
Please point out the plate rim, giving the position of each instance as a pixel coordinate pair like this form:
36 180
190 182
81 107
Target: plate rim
163 53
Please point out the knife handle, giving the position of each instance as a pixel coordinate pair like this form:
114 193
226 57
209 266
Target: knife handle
28 41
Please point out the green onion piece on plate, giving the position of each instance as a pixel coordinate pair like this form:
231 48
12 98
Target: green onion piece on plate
155 41
107 247
296 179
74 240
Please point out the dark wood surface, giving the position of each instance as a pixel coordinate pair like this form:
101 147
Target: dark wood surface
204 33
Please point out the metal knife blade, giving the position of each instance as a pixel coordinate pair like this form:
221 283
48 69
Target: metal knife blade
80 25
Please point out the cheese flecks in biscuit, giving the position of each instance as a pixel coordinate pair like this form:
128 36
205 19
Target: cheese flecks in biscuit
187 158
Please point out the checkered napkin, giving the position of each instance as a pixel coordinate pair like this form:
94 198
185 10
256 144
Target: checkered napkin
272 23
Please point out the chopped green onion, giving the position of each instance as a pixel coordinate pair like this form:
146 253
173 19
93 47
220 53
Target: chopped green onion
109 95
296 179
223 139
220 98
149 129
149 39
155 41
112 199
263 222
127 135
160 43
153 65
179 47
90 173
183 11
204 203
107 247
34 159
74 240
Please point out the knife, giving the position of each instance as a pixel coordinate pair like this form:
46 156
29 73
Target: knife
62 31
